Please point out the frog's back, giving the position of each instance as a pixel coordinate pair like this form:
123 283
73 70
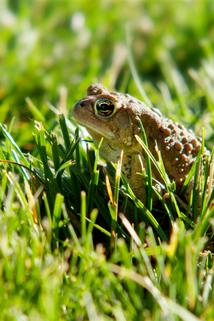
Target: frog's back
178 146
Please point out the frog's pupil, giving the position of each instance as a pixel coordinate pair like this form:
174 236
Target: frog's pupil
104 107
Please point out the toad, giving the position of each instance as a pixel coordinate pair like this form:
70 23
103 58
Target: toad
115 117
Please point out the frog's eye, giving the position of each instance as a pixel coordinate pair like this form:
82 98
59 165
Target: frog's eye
104 107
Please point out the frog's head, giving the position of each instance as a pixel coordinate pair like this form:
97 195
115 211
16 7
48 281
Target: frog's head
106 114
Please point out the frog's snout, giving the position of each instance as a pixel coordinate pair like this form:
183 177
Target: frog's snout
82 103
80 109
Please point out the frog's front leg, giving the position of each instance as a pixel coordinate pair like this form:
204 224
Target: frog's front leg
134 170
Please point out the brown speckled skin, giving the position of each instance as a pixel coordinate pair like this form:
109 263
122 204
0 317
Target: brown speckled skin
178 146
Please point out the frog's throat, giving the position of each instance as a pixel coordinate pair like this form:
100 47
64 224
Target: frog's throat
101 132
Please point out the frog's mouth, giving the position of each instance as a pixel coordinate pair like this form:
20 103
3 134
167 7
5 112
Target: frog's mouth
96 130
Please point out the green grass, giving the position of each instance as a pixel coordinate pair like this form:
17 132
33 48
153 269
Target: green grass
75 242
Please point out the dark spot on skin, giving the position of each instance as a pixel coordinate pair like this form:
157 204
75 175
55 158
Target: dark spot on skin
197 148
194 152
166 131
171 126
178 146
184 140
180 126
187 148
169 140
194 142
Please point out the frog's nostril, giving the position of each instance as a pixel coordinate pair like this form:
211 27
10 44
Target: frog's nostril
82 103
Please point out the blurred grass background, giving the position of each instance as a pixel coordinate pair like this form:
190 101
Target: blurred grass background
50 51
49 44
